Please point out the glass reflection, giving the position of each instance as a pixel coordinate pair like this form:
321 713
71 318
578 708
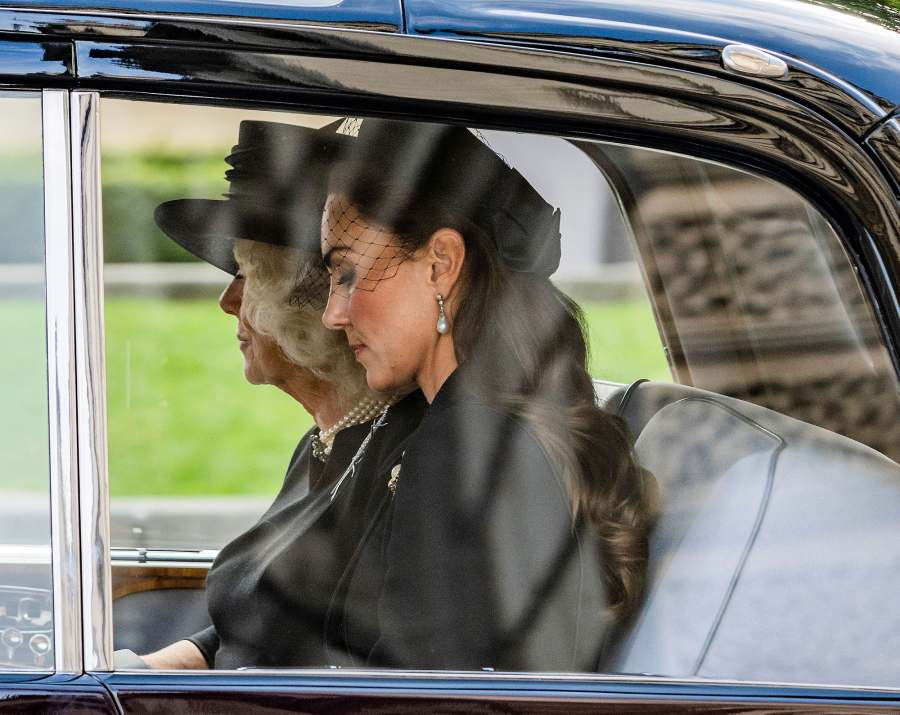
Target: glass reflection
25 605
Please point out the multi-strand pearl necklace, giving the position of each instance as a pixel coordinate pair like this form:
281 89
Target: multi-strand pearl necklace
365 410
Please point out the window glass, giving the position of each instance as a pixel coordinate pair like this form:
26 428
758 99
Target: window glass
757 296
25 598
169 343
415 292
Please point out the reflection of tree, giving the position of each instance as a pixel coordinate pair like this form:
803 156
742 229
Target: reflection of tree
885 12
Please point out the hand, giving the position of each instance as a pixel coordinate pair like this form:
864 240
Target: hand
180 655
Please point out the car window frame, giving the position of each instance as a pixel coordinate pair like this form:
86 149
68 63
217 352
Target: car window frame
872 250
28 59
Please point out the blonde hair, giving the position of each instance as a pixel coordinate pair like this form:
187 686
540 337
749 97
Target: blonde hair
285 291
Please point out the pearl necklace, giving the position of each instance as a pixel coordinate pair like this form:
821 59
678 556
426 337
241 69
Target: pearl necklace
365 410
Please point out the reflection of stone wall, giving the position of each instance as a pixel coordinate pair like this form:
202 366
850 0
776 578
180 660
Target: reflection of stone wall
759 301
782 274
864 408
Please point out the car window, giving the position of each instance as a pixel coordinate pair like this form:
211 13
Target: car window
169 343
717 518
26 630
757 297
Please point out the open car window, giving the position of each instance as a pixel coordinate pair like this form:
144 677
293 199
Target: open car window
767 425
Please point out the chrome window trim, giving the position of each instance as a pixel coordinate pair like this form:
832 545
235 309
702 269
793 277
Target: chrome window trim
464 682
202 558
96 606
59 277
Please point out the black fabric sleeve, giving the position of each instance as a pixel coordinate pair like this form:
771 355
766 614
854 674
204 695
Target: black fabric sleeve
207 641
467 543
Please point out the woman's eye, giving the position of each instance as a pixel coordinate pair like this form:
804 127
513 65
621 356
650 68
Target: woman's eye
346 277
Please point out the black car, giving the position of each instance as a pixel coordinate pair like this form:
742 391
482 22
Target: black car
729 181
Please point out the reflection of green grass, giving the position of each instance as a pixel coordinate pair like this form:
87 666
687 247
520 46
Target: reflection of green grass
23 383
182 419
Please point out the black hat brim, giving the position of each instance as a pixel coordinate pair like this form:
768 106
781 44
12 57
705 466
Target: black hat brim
208 228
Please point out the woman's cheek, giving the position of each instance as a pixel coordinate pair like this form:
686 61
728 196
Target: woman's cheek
363 315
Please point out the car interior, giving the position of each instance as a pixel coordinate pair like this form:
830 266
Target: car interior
763 517
767 516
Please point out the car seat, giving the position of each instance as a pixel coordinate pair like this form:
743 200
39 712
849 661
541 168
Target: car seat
776 556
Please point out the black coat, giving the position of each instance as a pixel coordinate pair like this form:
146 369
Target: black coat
483 566
269 589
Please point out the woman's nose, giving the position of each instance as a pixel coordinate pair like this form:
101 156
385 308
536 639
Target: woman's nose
335 314
230 300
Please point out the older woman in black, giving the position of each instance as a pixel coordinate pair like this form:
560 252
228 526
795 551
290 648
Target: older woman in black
516 535
269 589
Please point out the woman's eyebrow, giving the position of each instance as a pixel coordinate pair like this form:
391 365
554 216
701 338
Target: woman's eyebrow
330 251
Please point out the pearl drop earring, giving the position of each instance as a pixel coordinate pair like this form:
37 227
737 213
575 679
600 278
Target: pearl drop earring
443 327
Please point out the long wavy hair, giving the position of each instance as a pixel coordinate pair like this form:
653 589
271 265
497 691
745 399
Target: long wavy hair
521 346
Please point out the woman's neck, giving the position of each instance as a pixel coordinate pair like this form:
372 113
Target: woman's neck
322 399
440 365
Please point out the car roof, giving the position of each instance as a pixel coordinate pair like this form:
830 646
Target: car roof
857 42
384 15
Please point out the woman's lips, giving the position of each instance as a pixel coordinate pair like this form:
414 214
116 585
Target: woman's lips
357 349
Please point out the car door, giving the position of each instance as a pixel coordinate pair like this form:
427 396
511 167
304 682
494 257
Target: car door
575 96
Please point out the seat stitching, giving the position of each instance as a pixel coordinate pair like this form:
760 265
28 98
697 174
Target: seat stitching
626 396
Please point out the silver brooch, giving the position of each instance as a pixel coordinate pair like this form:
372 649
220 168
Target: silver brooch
395 477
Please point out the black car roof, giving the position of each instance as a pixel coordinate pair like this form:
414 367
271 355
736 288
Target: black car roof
856 43
385 15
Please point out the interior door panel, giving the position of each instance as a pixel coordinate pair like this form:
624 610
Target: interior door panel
154 605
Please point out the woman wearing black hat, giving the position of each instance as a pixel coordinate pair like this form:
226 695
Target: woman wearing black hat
268 591
516 535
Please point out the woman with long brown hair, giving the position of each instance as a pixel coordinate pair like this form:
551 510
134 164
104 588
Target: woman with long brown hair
517 532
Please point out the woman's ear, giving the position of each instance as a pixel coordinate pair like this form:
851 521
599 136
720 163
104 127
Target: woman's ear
446 253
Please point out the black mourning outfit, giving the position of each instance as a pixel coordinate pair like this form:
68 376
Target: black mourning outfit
483 564
269 589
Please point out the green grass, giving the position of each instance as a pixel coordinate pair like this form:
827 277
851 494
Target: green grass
183 421
624 342
23 417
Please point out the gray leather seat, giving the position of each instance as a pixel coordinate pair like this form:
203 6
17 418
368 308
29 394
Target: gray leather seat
777 554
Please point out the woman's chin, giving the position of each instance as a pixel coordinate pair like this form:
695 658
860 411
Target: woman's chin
379 381
252 374
377 385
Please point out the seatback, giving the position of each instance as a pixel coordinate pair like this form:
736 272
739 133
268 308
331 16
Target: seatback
776 556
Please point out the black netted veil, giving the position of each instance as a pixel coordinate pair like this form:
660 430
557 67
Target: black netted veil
395 171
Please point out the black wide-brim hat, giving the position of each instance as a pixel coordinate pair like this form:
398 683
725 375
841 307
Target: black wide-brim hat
278 183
